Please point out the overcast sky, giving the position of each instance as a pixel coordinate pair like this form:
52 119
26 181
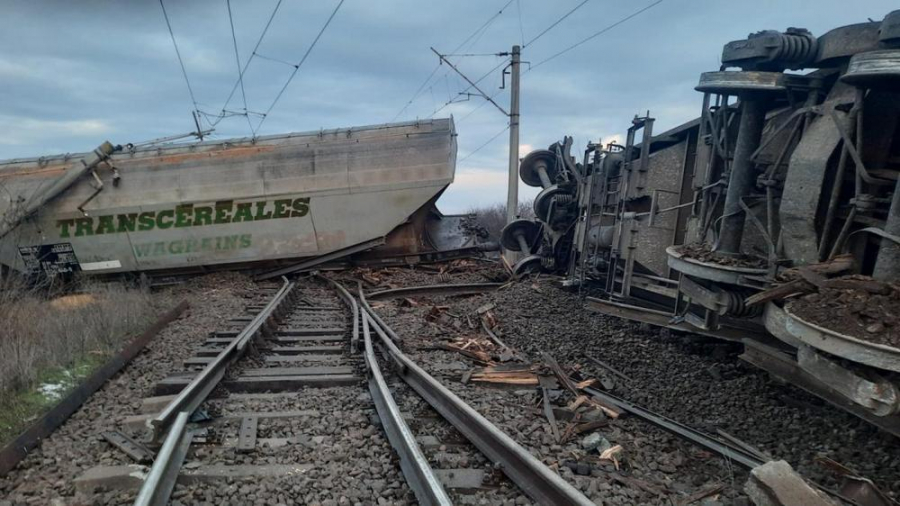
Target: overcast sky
73 74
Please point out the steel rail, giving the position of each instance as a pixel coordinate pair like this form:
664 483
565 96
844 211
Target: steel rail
163 474
416 469
534 478
419 475
710 443
727 450
354 307
19 448
442 290
190 398
368 309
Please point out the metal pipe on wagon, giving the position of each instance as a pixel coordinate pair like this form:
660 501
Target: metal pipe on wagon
753 116
68 178
887 265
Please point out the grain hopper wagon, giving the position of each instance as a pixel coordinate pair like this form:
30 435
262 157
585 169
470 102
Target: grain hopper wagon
262 201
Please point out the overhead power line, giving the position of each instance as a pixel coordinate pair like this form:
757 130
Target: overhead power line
558 21
237 62
474 83
437 67
521 29
299 64
604 30
479 148
180 61
597 34
247 63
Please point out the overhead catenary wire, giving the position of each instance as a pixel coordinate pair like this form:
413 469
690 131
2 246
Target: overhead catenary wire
178 53
237 62
521 29
437 67
558 21
555 55
538 36
299 64
479 148
247 63
474 83
276 60
597 34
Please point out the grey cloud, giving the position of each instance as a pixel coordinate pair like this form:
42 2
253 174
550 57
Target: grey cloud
72 73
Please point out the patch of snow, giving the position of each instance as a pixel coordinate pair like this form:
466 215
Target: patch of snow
53 391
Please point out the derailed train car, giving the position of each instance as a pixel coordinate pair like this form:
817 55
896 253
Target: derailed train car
172 207
773 219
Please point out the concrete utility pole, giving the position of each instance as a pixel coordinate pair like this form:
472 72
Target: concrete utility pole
512 196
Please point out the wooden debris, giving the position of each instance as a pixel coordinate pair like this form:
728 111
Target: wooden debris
611 455
488 322
570 429
548 409
478 356
370 279
581 399
589 426
559 373
798 280
519 375
585 384
435 313
568 384
485 308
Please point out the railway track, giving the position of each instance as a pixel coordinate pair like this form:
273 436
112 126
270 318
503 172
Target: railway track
310 392
295 402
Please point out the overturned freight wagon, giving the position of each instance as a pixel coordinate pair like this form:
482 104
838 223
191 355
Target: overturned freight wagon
772 220
196 205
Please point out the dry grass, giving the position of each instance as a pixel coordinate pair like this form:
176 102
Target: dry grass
41 332
493 217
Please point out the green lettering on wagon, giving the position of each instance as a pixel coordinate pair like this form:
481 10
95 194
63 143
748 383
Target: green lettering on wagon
182 216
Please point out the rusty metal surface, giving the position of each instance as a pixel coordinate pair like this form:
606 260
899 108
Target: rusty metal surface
785 368
534 478
714 272
874 68
664 319
192 395
15 451
841 345
845 41
736 82
434 290
662 185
